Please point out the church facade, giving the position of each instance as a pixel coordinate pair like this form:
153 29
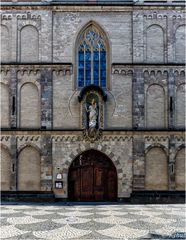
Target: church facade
92 99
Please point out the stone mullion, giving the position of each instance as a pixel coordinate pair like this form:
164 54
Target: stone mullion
14 161
46 163
13 95
138 163
46 99
138 99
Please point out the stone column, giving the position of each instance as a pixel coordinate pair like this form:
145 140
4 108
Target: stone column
14 160
46 162
171 163
14 37
138 99
139 163
46 99
138 40
13 99
171 99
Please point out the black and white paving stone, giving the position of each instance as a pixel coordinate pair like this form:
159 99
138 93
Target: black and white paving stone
122 221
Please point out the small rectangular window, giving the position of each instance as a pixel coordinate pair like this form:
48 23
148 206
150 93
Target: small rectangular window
13 105
171 104
13 167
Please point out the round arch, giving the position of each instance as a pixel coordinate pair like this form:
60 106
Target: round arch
156 168
92 176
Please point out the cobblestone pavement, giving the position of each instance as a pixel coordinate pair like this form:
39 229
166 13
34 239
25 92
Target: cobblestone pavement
122 221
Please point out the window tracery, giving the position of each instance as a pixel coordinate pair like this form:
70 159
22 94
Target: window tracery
92 58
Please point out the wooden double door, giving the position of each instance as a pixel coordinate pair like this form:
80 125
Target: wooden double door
92 177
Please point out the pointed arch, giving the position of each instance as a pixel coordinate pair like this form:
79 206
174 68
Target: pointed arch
92 56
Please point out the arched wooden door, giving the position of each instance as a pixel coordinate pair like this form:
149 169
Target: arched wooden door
92 177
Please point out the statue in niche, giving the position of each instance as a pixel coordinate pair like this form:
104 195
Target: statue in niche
92 114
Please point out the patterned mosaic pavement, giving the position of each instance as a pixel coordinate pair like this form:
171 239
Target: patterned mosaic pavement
57 222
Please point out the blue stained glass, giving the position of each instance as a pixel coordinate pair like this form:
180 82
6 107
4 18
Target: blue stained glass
96 77
96 56
103 83
88 64
103 74
88 56
96 68
92 66
81 65
81 56
103 56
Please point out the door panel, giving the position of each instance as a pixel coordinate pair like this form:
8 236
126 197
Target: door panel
99 183
87 183
92 177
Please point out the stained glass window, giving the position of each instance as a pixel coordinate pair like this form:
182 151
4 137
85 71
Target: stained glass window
92 58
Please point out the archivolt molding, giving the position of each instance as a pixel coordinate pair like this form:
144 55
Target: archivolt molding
101 148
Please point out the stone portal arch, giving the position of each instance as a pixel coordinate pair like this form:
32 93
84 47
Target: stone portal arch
92 176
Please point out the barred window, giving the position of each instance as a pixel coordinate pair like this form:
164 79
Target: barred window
92 58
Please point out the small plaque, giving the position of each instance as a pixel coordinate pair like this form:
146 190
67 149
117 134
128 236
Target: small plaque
59 184
59 176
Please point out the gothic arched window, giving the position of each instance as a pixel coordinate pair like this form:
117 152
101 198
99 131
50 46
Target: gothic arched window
92 58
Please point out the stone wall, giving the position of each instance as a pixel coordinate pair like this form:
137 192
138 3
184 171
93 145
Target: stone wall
145 90
144 161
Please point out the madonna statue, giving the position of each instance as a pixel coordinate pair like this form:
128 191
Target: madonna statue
93 114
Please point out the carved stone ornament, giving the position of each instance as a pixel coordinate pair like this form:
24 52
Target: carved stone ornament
92 134
92 100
